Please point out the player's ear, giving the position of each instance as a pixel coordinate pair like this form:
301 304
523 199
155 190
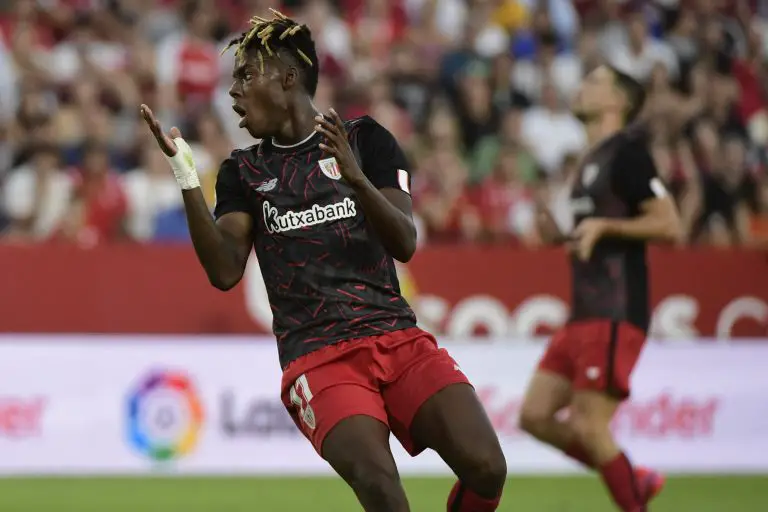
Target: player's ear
290 78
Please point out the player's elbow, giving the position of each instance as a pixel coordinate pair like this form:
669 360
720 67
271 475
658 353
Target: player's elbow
406 247
223 282
672 231
406 252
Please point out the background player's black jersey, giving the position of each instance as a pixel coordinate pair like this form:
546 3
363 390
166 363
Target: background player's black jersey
615 178
327 275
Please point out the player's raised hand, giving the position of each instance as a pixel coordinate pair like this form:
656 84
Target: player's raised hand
177 151
337 145
164 141
586 236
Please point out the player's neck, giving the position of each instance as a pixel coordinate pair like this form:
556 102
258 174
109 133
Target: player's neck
299 125
602 127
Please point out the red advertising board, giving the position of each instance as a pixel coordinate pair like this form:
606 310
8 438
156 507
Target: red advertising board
456 291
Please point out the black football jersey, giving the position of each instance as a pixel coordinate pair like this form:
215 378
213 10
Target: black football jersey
615 178
327 275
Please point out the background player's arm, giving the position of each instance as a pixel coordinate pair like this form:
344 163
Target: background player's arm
637 182
382 186
659 221
546 226
222 246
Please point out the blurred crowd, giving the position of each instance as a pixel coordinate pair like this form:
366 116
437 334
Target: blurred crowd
476 91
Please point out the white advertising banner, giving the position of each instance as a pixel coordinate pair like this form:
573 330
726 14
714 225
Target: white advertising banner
97 405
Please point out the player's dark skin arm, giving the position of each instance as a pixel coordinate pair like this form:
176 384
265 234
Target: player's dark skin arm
388 211
222 246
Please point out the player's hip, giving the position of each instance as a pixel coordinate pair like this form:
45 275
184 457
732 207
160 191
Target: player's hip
299 333
633 311
585 327
381 355
596 354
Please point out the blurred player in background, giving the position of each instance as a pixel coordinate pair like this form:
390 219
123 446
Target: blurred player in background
619 204
326 204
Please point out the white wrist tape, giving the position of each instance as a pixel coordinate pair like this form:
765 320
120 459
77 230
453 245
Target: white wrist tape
183 165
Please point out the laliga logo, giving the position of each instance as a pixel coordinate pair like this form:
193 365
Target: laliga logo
164 416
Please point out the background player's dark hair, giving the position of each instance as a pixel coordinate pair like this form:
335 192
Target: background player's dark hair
280 37
634 92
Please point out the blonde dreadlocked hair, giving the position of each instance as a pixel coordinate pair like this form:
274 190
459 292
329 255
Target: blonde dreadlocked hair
279 36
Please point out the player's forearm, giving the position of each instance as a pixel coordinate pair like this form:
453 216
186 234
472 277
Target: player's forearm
549 231
217 255
661 228
395 229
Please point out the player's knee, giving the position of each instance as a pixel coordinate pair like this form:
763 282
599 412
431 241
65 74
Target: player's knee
533 419
487 471
375 480
590 431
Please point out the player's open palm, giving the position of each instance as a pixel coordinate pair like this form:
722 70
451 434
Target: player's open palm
176 150
337 145
165 141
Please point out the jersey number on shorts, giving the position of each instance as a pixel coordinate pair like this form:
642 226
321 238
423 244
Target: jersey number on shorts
301 395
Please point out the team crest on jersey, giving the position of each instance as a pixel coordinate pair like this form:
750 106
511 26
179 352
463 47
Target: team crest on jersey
266 186
589 174
330 168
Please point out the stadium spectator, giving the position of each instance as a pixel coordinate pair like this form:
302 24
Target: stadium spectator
150 191
563 69
476 91
639 52
97 207
478 115
188 61
37 195
443 200
505 201
551 131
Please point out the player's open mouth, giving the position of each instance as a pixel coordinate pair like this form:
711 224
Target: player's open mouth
241 112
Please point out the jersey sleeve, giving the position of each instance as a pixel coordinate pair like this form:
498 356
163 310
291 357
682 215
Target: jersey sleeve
383 161
635 177
230 195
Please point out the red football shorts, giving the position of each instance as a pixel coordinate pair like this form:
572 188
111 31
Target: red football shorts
387 377
595 355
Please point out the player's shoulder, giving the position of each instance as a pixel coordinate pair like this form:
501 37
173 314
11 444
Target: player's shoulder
245 152
230 167
365 131
366 127
364 121
238 155
631 143
634 137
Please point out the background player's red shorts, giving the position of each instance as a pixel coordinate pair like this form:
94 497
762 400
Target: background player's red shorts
387 377
595 354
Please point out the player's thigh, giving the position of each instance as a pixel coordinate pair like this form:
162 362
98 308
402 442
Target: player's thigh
593 407
324 396
357 448
432 405
547 393
420 370
558 358
607 353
